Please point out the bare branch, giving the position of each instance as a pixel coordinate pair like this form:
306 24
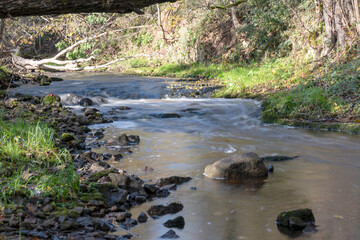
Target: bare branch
94 37
88 68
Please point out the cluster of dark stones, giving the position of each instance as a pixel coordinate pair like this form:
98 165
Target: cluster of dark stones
107 193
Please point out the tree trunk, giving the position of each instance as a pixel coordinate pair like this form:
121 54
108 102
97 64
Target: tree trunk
342 22
235 16
15 8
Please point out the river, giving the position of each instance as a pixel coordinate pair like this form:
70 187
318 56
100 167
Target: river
325 177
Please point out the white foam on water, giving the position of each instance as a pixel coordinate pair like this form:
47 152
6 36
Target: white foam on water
115 124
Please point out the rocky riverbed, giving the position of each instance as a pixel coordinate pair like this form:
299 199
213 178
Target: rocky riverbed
106 193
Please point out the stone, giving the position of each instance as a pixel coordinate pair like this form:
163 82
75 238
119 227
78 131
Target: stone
99 134
121 108
103 169
142 218
56 79
120 216
86 102
85 221
140 199
160 210
123 140
129 223
178 222
11 103
35 234
162 193
270 168
90 111
116 157
71 99
277 158
296 219
79 210
50 99
150 188
238 166
171 234
165 115
14 221
133 139
172 180
66 225
119 180
111 193
67 137
49 223
48 208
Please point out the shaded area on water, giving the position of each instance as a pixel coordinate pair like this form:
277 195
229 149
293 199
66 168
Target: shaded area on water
324 178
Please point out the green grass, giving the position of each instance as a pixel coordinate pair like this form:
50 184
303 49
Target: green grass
31 164
331 96
294 92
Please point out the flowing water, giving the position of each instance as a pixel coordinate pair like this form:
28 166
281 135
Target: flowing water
325 177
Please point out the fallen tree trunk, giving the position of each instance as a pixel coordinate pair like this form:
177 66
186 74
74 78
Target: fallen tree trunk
15 8
88 68
69 65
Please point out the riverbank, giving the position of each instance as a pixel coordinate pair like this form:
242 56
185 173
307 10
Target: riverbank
52 185
295 93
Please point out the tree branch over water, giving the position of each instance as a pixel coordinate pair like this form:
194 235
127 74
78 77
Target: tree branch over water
16 8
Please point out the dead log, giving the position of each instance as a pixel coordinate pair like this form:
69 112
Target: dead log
16 8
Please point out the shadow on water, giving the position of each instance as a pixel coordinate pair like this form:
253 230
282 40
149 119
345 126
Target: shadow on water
251 184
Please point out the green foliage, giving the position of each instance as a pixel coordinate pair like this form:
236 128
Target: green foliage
96 19
32 164
61 45
144 39
265 25
81 51
330 95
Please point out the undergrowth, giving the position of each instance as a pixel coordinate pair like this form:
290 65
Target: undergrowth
31 164
295 92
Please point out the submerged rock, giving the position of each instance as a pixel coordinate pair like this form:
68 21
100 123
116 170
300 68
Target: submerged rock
172 180
277 158
142 218
86 102
165 115
90 111
178 222
296 219
247 165
171 234
160 210
124 140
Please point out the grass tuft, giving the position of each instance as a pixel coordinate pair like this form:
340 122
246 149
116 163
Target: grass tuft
31 164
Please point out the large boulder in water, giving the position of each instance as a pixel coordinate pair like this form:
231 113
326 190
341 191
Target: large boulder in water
238 166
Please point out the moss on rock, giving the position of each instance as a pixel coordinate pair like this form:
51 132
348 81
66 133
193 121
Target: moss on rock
96 176
67 137
86 197
66 212
296 219
50 99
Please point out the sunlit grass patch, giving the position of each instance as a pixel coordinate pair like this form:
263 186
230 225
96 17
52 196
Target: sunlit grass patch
31 164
